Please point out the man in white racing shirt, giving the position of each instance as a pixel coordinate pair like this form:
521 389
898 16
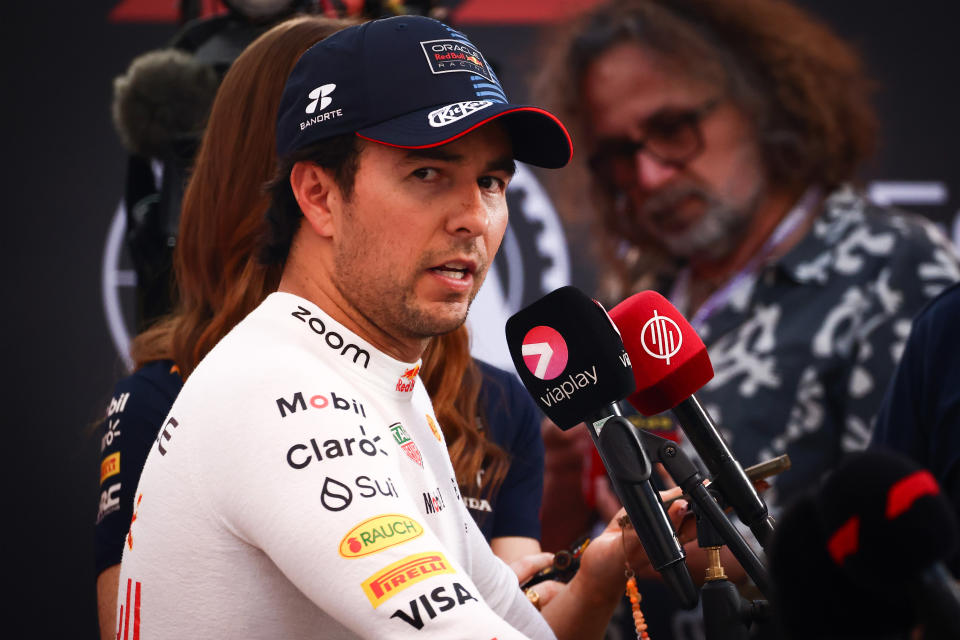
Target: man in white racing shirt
300 487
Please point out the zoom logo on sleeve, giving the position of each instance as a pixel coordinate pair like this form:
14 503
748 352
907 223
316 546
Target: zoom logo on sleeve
431 605
331 338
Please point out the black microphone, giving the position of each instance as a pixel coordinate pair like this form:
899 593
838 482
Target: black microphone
670 364
571 359
874 536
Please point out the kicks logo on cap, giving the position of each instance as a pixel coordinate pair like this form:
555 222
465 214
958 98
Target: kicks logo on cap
446 56
319 95
457 111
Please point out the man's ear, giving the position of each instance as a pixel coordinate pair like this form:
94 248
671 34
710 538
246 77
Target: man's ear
317 194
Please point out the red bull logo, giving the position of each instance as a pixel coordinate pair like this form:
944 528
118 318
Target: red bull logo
408 379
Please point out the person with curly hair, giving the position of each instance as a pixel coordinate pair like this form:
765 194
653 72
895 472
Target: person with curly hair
721 144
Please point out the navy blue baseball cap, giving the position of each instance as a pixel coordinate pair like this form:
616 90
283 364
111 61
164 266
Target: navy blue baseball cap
408 82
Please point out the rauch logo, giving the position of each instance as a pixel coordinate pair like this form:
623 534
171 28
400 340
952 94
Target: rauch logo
544 352
377 534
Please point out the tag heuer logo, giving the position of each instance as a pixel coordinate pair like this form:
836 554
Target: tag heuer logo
457 111
319 95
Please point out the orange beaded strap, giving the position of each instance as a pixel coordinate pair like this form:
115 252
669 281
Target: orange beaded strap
639 623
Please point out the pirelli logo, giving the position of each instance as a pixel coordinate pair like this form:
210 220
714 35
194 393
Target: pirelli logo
109 466
393 579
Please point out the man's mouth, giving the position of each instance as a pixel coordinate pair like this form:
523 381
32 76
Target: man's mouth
457 272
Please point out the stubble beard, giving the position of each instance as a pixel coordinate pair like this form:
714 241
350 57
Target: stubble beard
390 304
715 235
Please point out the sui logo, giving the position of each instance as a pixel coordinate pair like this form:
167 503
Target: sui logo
661 337
544 352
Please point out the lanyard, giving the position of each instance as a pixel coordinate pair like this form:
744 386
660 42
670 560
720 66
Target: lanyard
680 292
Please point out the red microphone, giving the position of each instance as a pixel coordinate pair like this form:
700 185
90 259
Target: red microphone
670 363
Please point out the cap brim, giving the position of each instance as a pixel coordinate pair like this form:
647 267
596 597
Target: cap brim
538 136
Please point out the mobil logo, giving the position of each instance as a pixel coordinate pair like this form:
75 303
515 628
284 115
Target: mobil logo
300 402
378 533
544 352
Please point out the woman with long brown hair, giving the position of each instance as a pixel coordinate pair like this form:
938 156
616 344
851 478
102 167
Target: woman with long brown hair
219 280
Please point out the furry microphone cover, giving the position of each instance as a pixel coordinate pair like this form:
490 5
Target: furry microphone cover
164 95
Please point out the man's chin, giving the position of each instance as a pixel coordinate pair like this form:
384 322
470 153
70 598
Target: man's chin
439 319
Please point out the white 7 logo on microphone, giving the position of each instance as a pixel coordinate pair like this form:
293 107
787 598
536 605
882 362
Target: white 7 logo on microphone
541 349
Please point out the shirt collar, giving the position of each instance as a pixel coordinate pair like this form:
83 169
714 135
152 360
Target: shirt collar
808 261
317 332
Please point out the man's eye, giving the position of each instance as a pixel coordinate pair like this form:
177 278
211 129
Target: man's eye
426 173
668 127
492 183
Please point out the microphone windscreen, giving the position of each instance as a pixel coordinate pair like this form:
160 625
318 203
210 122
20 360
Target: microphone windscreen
885 519
670 361
812 597
569 356
164 96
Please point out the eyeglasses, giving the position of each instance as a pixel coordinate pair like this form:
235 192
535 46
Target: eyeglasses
673 138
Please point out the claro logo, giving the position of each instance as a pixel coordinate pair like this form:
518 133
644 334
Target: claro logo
331 338
377 534
544 352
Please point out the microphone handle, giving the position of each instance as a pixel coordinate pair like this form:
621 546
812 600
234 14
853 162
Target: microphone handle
937 598
629 469
728 475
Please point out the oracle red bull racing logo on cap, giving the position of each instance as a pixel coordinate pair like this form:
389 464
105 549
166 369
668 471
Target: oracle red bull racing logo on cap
544 352
449 55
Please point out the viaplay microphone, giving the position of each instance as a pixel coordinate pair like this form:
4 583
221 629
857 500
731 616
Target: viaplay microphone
570 358
670 363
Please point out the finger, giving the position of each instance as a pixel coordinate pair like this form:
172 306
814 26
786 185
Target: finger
605 499
687 531
548 589
677 510
665 476
527 566
671 494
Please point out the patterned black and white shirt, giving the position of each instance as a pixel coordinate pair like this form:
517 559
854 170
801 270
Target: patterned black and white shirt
803 351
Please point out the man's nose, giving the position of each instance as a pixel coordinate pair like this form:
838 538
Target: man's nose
471 217
651 172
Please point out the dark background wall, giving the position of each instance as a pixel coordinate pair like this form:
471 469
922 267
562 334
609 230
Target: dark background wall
64 167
